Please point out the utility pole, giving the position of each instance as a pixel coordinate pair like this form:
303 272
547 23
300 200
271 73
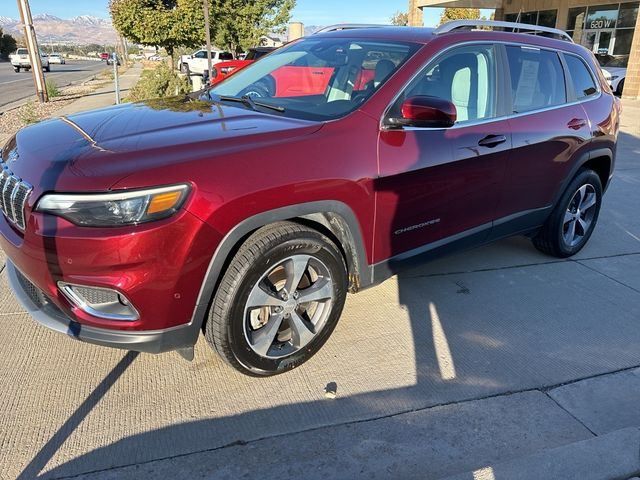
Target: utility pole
33 50
207 33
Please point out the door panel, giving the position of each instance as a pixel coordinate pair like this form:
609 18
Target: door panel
436 183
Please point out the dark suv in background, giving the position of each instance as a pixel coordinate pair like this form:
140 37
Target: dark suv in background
248 211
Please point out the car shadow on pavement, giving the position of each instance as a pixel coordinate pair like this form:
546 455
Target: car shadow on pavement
55 442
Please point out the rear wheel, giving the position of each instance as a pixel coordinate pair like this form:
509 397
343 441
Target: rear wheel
47 68
16 69
279 300
574 217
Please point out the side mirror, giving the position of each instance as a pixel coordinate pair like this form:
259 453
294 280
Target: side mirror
426 112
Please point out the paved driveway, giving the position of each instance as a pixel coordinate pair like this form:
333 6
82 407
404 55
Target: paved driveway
496 320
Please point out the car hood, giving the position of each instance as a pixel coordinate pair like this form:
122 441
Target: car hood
616 71
95 149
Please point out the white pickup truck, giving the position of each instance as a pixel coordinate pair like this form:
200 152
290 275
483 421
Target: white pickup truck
20 60
197 62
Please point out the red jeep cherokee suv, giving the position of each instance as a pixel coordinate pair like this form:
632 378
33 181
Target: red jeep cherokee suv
248 211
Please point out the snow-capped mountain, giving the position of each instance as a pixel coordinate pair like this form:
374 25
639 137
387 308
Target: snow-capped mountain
83 29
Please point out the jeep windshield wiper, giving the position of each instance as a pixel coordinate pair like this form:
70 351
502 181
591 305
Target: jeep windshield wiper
250 102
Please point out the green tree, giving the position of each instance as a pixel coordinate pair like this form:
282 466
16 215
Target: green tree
239 24
450 14
161 23
400 18
8 44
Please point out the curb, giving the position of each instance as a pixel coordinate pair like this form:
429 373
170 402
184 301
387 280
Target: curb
613 455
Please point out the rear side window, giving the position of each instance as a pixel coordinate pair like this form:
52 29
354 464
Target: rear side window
537 78
583 82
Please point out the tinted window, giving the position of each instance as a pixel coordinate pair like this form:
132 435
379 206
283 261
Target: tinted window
225 56
318 77
537 79
465 77
200 54
583 82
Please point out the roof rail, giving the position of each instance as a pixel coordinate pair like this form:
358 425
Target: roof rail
348 26
456 24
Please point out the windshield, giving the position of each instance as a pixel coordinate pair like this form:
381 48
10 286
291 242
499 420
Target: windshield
316 78
22 51
619 61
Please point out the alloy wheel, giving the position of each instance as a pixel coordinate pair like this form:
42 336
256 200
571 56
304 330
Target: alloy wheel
288 306
579 215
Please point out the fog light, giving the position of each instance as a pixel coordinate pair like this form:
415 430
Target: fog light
99 302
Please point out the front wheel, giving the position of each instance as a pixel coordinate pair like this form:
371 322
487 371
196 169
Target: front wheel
279 300
570 225
16 69
47 68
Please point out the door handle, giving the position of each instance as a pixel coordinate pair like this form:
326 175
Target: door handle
576 123
491 141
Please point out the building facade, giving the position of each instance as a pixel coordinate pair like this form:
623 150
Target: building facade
609 30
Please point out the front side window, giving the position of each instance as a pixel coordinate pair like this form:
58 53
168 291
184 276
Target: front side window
583 82
200 54
315 78
465 76
537 78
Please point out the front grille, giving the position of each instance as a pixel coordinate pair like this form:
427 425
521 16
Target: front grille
14 193
34 293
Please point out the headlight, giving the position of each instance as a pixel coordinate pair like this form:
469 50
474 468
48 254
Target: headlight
117 208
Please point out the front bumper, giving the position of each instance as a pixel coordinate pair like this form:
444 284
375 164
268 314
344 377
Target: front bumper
49 315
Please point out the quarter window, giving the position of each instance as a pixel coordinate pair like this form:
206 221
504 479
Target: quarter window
537 78
583 82
466 77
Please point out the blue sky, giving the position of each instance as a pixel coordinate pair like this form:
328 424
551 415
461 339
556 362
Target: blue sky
309 12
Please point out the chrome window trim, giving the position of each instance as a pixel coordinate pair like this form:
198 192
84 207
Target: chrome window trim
385 127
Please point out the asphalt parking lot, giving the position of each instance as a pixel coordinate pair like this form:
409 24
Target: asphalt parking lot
447 368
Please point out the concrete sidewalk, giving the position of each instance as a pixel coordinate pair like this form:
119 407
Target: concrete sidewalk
497 363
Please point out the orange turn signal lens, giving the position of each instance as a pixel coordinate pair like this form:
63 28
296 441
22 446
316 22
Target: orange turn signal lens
163 201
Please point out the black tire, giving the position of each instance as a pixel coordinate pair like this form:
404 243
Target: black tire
16 69
552 238
228 321
47 68
620 88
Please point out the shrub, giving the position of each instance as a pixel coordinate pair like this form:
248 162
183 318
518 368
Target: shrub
159 82
28 114
52 89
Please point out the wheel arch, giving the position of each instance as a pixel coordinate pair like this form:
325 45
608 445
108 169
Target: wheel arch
332 218
600 160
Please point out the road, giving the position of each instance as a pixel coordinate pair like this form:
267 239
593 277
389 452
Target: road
16 86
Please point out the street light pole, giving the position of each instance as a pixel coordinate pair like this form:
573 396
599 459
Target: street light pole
207 33
33 50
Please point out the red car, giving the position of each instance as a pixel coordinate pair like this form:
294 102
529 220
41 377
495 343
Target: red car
105 56
222 70
249 213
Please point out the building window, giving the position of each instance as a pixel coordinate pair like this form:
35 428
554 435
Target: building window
602 17
628 15
543 18
623 41
576 18
547 18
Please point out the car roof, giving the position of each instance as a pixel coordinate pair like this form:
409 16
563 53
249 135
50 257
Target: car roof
423 35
